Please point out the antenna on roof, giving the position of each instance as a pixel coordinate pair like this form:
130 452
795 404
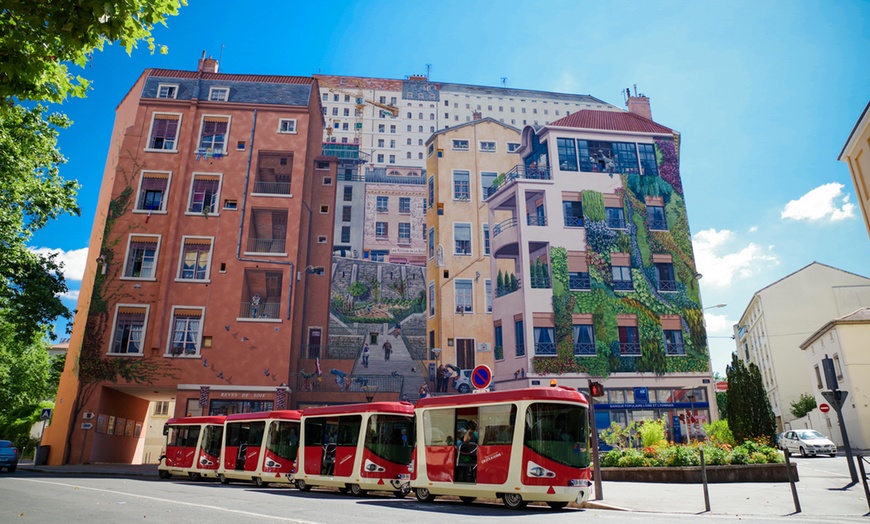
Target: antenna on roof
635 89
428 69
504 81
221 55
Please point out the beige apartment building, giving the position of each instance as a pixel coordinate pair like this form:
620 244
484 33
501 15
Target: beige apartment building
463 163
856 154
781 316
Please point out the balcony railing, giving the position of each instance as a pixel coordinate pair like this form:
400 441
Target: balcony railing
380 175
545 348
345 152
616 223
267 245
271 188
579 281
623 285
348 383
629 349
573 221
667 285
501 291
658 224
518 171
675 348
540 282
503 225
521 350
535 220
260 310
584 348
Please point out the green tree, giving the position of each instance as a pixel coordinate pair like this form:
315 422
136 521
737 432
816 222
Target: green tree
749 412
722 404
39 40
803 405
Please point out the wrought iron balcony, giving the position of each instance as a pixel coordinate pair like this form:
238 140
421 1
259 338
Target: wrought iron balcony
616 223
545 348
623 285
518 171
675 348
629 349
262 310
503 225
541 282
667 285
579 281
267 245
501 291
658 225
271 188
534 220
584 348
573 221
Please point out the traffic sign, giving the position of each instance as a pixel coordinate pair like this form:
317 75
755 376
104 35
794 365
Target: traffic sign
837 398
481 376
87 425
46 414
824 408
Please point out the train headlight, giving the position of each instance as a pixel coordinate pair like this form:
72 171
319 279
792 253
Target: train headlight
581 483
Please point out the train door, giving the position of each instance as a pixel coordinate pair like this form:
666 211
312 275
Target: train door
243 442
181 446
210 449
281 447
496 434
467 443
439 448
346 441
315 444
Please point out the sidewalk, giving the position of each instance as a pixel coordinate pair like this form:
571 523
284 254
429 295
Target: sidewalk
400 362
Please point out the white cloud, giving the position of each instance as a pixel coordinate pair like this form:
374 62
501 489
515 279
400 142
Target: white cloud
753 229
721 269
827 201
718 324
74 261
71 294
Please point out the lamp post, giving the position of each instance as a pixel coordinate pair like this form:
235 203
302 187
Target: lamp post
369 392
437 353
713 307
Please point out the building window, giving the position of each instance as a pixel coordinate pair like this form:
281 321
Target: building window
584 340
383 204
431 191
655 215
381 142
818 377
519 334
404 232
141 261
431 299
837 367
348 193
184 339
486 240
204 194
579 281
167 91
545 341
665 280
461 189
487 178
129 330
152 192
392 128
382 128
392 159
287 125
405 205
213 136
487 294
161 408
647 154
513 147
379 255
164 132
195 258
345 234
380 159
622 278
498 339
219 94
345 213
615 217
629 343
674 342
431 243
573 212
381 230
463 290
462 239
460 145
567 154
487 146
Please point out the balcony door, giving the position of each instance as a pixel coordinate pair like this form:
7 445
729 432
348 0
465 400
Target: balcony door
465 353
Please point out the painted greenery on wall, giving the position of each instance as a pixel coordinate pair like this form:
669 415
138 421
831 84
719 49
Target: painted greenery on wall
646 303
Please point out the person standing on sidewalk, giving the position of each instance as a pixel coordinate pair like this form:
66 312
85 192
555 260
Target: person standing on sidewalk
365 356
388 348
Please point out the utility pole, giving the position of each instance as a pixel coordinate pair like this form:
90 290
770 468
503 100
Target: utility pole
837 398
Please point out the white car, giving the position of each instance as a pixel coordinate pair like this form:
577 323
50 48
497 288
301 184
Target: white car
807 442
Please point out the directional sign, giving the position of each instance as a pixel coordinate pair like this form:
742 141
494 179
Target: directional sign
46 414
481 376
824 408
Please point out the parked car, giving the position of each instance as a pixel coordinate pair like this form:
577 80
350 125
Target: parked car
8 456
462 382
807 442
779 440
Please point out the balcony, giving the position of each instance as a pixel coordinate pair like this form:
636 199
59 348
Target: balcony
501 291
623 285
615 222
404 241
667 285
518 172
629 349
675 348
534 220
260 310
573 221
266 245
540 282
579 281
346 152
503 225
271 188
545 348
584 349
658 224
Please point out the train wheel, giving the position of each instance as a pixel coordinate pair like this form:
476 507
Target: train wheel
514 501
223 479
467 500
356 491
259 481
403 492
423 495
301 485
557 505
163 474
195 476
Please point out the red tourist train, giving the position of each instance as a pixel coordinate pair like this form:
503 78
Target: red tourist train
260 447
193 447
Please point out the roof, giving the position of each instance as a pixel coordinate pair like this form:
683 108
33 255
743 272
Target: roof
487 119
854 130
245 89
564 394
290 414
401 408
215 419
270 79
859 316
610 121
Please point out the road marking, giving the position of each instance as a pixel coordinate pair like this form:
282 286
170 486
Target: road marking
158 499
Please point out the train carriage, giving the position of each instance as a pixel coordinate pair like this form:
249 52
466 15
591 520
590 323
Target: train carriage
358 448
193 447
260 447
520 445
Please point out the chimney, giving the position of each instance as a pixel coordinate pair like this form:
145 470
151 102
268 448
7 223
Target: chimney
639 105
207 65
476 115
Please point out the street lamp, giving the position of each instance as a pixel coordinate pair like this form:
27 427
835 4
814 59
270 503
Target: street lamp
369 392
714 307
437 353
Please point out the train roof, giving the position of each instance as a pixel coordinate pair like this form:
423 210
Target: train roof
560 393
213 419
286 414
400 408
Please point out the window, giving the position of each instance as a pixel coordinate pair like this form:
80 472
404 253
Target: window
460 145
346 111
405 205
486 239
579 281
520 337
487 178
382 128
383 204
818 376
615 217
837 367
674 342
378 255
381 142
287 125
380 159
487 146
573 212
164 132
152 192
213 136
167 91
463 290
345 213
185 331
393 128
404 232
487 294
141 261
545 341
345 234
392 159
665 276
431 299
348 193
431 191
408 154
195 258
129 330
567 154
462 239
622 278
498 339
655 215
629 343
420 129
204 194
647 154
584 340
161 407
461 190
512 147
431 243
381 230
219 94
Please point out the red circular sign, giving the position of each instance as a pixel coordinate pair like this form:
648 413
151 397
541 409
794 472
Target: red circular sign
481 376
824 408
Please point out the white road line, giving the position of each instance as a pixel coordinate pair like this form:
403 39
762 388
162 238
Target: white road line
206 506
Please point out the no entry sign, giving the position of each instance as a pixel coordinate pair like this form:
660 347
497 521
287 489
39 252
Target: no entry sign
824 408
481 376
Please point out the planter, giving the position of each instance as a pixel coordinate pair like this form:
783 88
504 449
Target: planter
692 474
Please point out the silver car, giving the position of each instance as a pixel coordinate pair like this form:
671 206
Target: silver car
807 442
8 456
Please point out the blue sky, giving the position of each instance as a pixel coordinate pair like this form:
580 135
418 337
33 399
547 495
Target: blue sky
765 95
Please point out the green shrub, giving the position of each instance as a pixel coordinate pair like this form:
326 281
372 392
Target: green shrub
716 456
611 459
758 457
679 456
652 432
719 433
631 458
739 456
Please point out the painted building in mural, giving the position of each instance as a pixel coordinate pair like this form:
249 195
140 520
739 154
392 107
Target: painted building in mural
602 283
856 153
211 233
463 163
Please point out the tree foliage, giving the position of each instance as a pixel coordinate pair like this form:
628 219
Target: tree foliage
40 39
749 413
803 405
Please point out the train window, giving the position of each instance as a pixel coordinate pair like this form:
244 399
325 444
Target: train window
438 427
284 439
497 424
558 432
314 431
391 437
348 430
211 442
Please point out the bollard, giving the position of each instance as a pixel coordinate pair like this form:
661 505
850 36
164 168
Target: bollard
864 479
794 494
704 480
